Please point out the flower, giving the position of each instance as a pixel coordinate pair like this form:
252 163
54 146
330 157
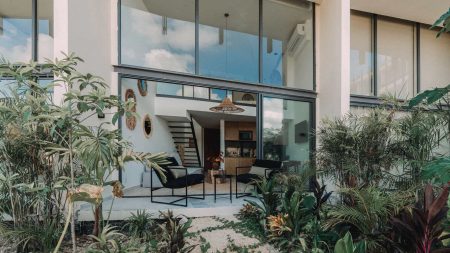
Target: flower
94 191
117 190
278 224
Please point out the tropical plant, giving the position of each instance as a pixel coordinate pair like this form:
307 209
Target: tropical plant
65 161
107 240
173 234
437 171
346 245
420 230
367 217
445 21
358 149
320 194
140 225
268 199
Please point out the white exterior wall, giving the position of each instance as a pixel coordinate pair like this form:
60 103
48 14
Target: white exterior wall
333 58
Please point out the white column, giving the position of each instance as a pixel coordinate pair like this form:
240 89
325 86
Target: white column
222 142
60 40
333 58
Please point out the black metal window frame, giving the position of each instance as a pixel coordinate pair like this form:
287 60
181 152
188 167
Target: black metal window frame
374 100
260 94
196 73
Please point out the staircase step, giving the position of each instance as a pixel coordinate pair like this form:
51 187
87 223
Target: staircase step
180 127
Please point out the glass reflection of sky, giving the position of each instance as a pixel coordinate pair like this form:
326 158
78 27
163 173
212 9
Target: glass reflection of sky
235 59
144 44
273 63
15 42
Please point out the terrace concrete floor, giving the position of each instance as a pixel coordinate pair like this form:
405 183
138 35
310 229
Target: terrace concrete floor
138 198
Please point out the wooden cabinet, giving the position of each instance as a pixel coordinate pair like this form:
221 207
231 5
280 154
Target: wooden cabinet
231 131
232 162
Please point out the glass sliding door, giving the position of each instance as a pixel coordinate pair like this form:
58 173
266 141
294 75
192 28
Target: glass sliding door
286 129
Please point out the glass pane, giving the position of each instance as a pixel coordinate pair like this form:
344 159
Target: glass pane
15 30
155 34
45 26
395 59
169 89
217 94
286 129
201 92
228 39
188 91
287 46
244 98
361 54
434 59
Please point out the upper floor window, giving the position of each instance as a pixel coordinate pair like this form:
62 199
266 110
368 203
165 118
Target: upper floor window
23 35
409 57
222 39
287 44
434 59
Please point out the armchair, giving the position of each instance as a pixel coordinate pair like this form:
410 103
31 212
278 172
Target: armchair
261 168
176 180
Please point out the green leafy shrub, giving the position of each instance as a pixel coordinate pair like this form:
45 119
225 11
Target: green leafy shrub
140 225
346 245
367 217
173 234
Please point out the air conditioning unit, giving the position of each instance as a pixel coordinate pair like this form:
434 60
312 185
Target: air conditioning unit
299 37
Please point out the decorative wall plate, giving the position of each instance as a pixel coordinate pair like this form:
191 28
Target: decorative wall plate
148 126
131 121
143 87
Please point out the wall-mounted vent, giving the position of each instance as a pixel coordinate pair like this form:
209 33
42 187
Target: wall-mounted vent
299 37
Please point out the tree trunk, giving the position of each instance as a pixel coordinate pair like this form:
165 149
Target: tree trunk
97 215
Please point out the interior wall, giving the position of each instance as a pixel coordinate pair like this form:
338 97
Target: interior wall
160 139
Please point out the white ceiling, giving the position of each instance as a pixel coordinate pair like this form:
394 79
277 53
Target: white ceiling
423 11
212 119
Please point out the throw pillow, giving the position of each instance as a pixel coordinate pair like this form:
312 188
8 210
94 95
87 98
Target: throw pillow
177 171
259 171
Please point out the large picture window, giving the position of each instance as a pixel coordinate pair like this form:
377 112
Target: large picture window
287 44
252 41
158 34
383 56
228 39
395 57
434 59
17 43
361 56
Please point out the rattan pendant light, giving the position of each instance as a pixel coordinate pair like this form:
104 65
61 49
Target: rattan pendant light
227 107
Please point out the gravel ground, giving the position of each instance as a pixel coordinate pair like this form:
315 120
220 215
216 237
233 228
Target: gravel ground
205 229
222 239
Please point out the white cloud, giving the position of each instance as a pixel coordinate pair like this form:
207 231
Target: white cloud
45 50
17 52
163 59
273 113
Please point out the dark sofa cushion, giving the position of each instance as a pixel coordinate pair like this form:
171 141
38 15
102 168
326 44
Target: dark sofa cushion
247 178
275 165
192 179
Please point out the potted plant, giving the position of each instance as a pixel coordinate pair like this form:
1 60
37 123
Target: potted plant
215 161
